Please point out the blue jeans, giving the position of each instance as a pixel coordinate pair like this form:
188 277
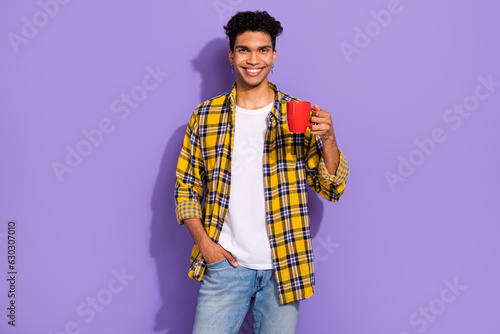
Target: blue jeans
226 294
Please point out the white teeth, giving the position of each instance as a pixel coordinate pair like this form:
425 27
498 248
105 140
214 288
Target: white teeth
254 70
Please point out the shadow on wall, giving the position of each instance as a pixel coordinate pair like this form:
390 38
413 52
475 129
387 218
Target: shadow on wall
213 64
170 244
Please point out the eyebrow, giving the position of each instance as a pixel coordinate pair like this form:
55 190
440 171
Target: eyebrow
246 47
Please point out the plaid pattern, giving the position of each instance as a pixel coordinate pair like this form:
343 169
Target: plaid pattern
291 160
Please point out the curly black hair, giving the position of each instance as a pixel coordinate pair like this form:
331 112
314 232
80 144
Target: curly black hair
252 21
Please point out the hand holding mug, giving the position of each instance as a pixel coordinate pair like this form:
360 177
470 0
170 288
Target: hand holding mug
323 125
300 115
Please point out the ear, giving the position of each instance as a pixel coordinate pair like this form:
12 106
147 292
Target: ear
230 55
275 52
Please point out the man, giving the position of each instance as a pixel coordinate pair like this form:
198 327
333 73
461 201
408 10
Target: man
251 224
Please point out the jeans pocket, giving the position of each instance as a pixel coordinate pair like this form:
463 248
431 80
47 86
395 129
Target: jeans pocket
216 264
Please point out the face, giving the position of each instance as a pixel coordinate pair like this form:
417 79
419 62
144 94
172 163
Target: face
253 58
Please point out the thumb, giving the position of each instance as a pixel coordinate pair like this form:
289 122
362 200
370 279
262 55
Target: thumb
230 258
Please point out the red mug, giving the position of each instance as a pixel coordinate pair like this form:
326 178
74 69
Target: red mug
298 114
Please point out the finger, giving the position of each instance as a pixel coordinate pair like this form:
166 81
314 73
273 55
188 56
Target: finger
319 120
320 114
318 133
230 258
319 127
323 113
316 119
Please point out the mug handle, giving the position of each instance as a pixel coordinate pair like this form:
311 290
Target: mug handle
310 118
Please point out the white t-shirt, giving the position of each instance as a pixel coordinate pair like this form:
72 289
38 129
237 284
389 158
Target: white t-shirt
244 232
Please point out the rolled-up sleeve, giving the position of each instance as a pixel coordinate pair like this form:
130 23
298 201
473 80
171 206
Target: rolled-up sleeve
330 187
341 174
190 174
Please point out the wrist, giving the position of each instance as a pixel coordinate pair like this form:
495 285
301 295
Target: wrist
329 141
204 244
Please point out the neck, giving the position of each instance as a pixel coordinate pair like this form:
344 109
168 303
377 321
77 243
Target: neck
254 97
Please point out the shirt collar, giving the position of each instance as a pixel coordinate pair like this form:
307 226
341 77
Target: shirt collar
276 111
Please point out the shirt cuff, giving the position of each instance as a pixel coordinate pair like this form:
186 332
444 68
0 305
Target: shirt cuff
188 209
341 174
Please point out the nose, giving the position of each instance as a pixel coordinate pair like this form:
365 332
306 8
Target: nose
253 59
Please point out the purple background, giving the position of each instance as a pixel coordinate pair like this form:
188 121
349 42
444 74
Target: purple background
385 254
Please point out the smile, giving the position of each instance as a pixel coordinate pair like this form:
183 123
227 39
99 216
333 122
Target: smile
253 71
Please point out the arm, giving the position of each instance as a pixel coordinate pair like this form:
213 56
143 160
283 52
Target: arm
190 175
331 155
326 165
324 129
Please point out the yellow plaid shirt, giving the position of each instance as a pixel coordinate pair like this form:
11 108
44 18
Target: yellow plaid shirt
290 161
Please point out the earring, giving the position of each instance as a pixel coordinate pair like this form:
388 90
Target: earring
232 68
272 70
